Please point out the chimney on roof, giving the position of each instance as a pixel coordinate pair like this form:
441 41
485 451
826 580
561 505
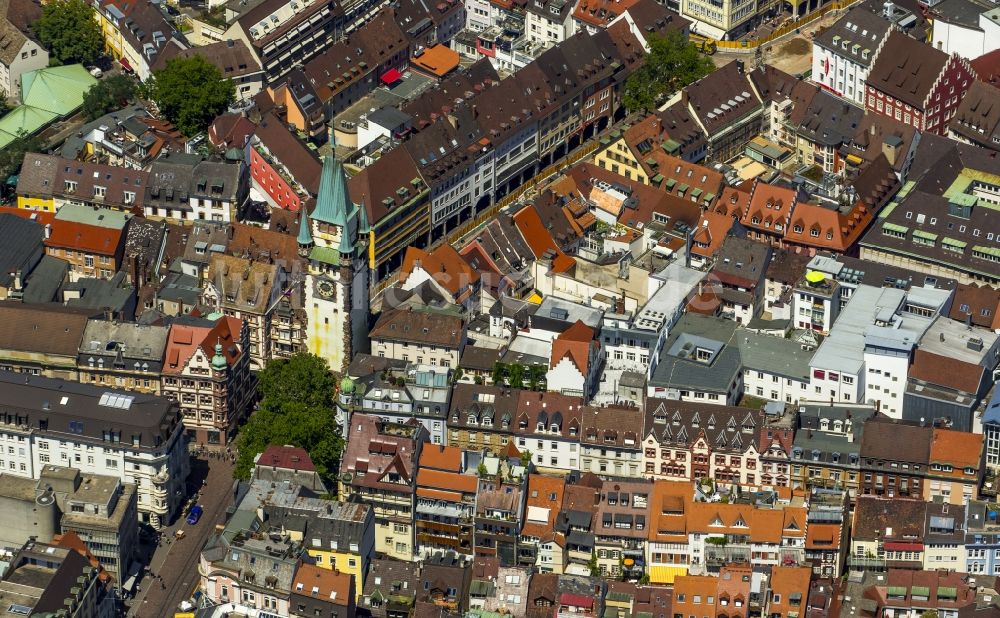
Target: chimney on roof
891 151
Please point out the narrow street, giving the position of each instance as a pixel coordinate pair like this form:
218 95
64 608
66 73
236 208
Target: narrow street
176 560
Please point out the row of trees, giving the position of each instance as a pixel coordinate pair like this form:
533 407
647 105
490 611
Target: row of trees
297 408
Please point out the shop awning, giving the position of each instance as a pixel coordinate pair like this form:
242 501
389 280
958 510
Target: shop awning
125 65
903 546
391 77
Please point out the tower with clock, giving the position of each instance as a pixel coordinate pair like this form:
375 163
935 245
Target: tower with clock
334 240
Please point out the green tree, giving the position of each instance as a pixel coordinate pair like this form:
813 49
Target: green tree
12 155
536 376
296 408
595 570
113 93
303 377
671 64
69 31
190 92
517 376
499 373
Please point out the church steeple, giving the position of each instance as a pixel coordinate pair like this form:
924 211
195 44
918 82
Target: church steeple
305 237
333 204
363 226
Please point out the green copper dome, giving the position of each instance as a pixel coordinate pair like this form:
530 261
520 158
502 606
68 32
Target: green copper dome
219 361
347 385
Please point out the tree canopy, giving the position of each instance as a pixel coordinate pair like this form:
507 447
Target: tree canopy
671 64
296 408
110 94
67 28
12 155
190 92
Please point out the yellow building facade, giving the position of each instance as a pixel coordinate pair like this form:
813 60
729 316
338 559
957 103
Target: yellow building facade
344 561
618 158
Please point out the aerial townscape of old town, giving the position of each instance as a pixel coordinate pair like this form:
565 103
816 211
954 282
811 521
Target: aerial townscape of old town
499 308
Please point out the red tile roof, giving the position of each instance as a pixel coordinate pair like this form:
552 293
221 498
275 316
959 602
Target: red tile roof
438 60
959 449
733 201
600 12
184 339
946 371
710 233
440 457
769 205
445 266
436 479
286 457
325 584
576 342
538 238
83 237
987 67
39 216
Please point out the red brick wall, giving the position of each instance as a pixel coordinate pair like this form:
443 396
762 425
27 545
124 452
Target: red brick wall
272 183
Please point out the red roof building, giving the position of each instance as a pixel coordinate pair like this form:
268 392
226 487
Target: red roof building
575 360
91 250
917 84
206 368
447 493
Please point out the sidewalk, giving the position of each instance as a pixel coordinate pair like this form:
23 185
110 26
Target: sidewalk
176 560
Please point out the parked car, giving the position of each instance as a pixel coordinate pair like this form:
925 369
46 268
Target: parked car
194 515
96 72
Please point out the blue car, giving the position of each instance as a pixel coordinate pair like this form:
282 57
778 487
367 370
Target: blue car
194 515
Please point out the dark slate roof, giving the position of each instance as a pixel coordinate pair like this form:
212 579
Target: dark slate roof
860 26
909 72
152 419
978 116
828 120
725 86
45 280
741 262
21 248
682 422
936 166
814 442
895 441
682 373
